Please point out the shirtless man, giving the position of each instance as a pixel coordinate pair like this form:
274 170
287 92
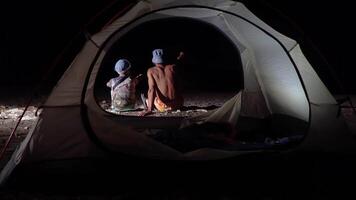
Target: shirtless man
163 93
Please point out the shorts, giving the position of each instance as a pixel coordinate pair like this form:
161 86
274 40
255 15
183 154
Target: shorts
160 106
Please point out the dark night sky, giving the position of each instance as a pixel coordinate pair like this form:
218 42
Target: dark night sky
33 32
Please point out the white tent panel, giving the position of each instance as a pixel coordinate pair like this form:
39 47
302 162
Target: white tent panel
146 6
250 79
275 72
68 90
317 92
139 9
241 10
61 135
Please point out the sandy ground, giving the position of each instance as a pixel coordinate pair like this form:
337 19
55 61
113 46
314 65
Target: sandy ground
194 105
9 116
12 104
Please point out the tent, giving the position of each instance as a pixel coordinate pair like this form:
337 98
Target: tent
278 80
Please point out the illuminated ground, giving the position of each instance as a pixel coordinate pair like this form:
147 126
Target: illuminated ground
194 105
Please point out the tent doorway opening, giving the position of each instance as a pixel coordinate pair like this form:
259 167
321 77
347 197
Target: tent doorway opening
210 71
211 74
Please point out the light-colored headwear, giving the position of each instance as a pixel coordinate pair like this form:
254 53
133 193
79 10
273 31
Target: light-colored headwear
157 56
122 66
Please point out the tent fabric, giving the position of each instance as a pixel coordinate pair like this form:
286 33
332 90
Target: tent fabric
274 70
278 80
227 113
242 104
328 132
318 93
68 90
62 140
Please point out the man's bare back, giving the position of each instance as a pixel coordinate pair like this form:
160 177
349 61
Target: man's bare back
163 88
163 78
163 93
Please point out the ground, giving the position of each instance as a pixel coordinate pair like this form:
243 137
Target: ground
193 105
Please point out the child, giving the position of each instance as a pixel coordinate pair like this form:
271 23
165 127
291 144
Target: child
123 87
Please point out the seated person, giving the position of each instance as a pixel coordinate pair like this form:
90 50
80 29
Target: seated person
123 87
163 90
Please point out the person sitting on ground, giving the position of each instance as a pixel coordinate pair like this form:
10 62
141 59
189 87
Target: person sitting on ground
123 87
163 90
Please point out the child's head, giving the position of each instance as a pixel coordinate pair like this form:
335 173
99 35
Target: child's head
122 67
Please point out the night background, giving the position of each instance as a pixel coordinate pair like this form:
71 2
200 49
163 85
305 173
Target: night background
34 33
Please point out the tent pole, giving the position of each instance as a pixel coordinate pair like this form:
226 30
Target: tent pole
3 150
